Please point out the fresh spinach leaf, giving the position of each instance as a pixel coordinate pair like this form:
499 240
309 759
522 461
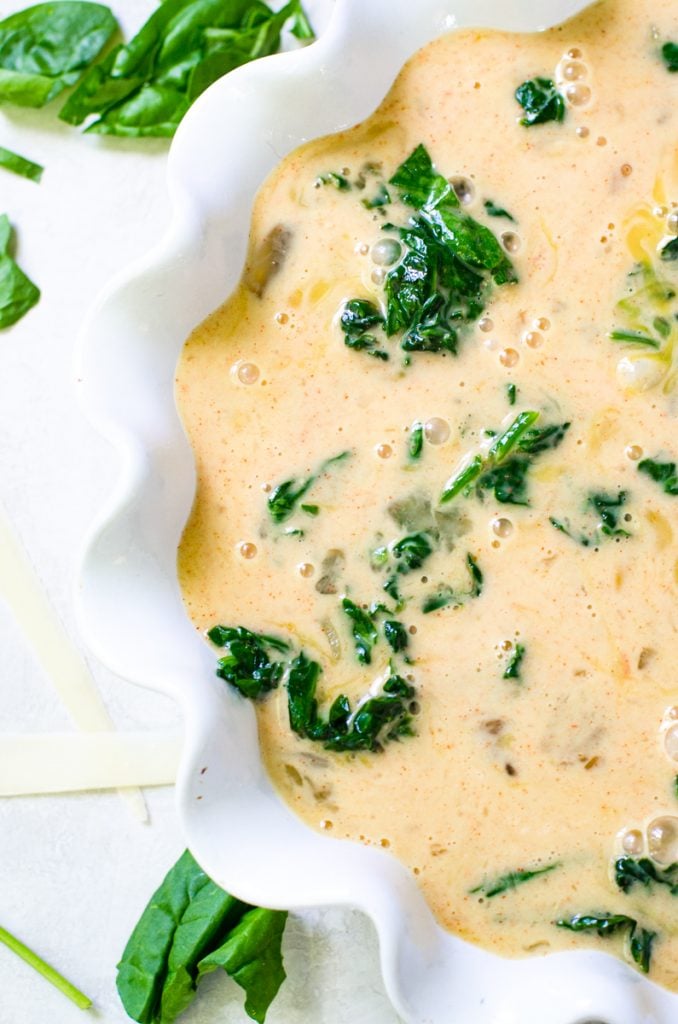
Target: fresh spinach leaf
663 473
248 664
45 48
605 925
18 294
511 881
51 975
670 55
541 102
284 497
497 211
20 165
145 87
514 664
189 928
628 872
364 631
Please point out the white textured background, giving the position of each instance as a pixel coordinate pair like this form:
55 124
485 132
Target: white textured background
75 871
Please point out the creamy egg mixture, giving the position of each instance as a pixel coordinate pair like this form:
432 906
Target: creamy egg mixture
436 439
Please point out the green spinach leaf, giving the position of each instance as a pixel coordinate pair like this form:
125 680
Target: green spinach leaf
145 87
18 294
189 928
45 48
247 663
541 102
364 631
628 872
514 664
670 55
445 596
605 925
511 881
283 499
669 252
20 165
493 210
663 473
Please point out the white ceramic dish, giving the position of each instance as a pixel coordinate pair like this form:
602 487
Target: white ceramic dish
128 598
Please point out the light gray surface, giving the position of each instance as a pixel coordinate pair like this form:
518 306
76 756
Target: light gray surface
76 870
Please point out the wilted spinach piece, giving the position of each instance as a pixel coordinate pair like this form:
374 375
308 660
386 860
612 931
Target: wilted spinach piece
445 595
439 287
248 663
511 881
605 925
340 182
505 467
189 928
541 102
608 509
511 393
670 55
145 87
412 551
20 165
18 294
44 49
514 664
375 722
628 872
669 252
364 631
416 444
358 319
381 198
396 635
663 473
283 499
496 211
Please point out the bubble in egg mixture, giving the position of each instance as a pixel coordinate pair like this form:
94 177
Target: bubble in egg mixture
437 430
485 324
508 357
582 131
463 189
247 549
384 451
671 742
502 527
633 452
386 252
306 569
510 241
578 94
573 70
247 373
378 275
662 839
533 339
542 324
633 842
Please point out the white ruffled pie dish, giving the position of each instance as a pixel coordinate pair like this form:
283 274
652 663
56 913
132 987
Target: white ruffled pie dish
128 597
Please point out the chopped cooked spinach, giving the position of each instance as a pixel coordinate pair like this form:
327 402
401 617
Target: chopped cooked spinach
608 509
45 48
283 499
504 469
248 663
541 102
380 199
511 393
358 319
364 631
189 928
445 595
439 287
145 87
412 551
670 55
512 880
340 182
663 473
396 635
311 510
497 211
18 294
375 722
514 663
416 445
628 872
20 165
605 925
